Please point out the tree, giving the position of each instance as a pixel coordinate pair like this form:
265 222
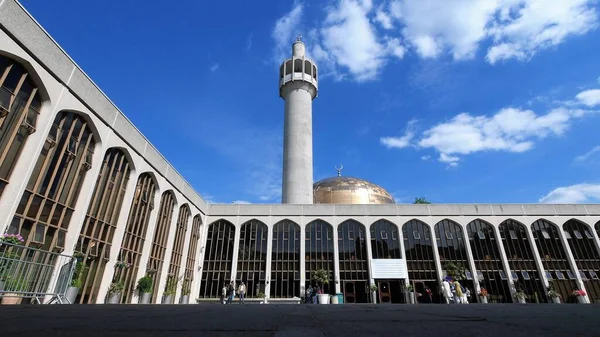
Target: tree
421 200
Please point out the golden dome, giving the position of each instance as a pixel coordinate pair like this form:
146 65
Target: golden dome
349 190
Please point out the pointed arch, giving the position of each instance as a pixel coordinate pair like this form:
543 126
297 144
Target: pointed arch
192 251
385 240
48 202
21 99
420 257
584 248
252 257
160 239
353 261
488 261
319 251
136 230
178 243
522 260
216 271
100 224
285 260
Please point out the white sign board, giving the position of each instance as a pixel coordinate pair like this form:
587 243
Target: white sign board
389 269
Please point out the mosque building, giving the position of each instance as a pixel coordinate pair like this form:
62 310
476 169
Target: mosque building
77 177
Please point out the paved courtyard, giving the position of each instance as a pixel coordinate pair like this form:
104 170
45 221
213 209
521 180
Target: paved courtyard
301 320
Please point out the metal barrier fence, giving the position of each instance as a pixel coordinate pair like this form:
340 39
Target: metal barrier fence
34 274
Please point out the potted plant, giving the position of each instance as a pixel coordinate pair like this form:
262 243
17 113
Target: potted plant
373 288
114 292
580 294
185 291
520 296
144 288
553 294
483 295
13 286
321 277
455 270
411 293
170 289
263 296
76 280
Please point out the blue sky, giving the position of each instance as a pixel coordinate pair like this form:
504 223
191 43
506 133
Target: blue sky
457 101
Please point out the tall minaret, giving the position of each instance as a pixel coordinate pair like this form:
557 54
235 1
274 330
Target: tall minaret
298 87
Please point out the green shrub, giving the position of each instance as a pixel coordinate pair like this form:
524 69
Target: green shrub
144 285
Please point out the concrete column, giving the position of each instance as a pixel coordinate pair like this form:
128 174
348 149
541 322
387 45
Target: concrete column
370 260
115 247
336 258
571 260
145 256
184 256
202 245
302 254
236 249
169 251
269 259
297 184
471 261
504 260
195 289
436 254
400 224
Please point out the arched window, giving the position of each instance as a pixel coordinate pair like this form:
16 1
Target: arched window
191 256
298 66
95 239
285 260
314 73
252 257
216 271
453 252
385 240
420 259
585 251
488 261
20 104
135 233
281 70
46 207
288 67
521 260
319 252
159 241
554 257
307 67
177 252
354 264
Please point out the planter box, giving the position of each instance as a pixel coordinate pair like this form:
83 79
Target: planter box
483 299
556 300
185 299
114 298
72 294
323 298
521 300
168 299
11 299
581 299
146 298
411 297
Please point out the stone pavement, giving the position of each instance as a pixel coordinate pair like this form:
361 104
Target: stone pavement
301 320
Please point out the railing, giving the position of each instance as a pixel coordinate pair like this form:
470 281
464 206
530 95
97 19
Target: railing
29 273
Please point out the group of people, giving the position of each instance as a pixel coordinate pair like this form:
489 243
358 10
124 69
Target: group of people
310 294
454 292
230 290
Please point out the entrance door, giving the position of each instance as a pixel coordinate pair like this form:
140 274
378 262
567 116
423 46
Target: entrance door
349 292
385 294
419 287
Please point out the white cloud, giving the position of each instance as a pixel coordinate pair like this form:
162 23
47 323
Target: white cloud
425 157
588 155
590 98
284 31
249 42
574 194
214 67
450 160
384 19
400 142
528 26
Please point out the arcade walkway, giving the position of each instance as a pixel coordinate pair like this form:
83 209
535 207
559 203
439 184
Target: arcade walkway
303 321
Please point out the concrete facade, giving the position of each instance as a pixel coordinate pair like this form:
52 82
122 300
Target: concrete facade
66 87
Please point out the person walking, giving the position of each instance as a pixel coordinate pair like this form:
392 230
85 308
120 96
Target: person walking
224 294
242 292
308 296
230 292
